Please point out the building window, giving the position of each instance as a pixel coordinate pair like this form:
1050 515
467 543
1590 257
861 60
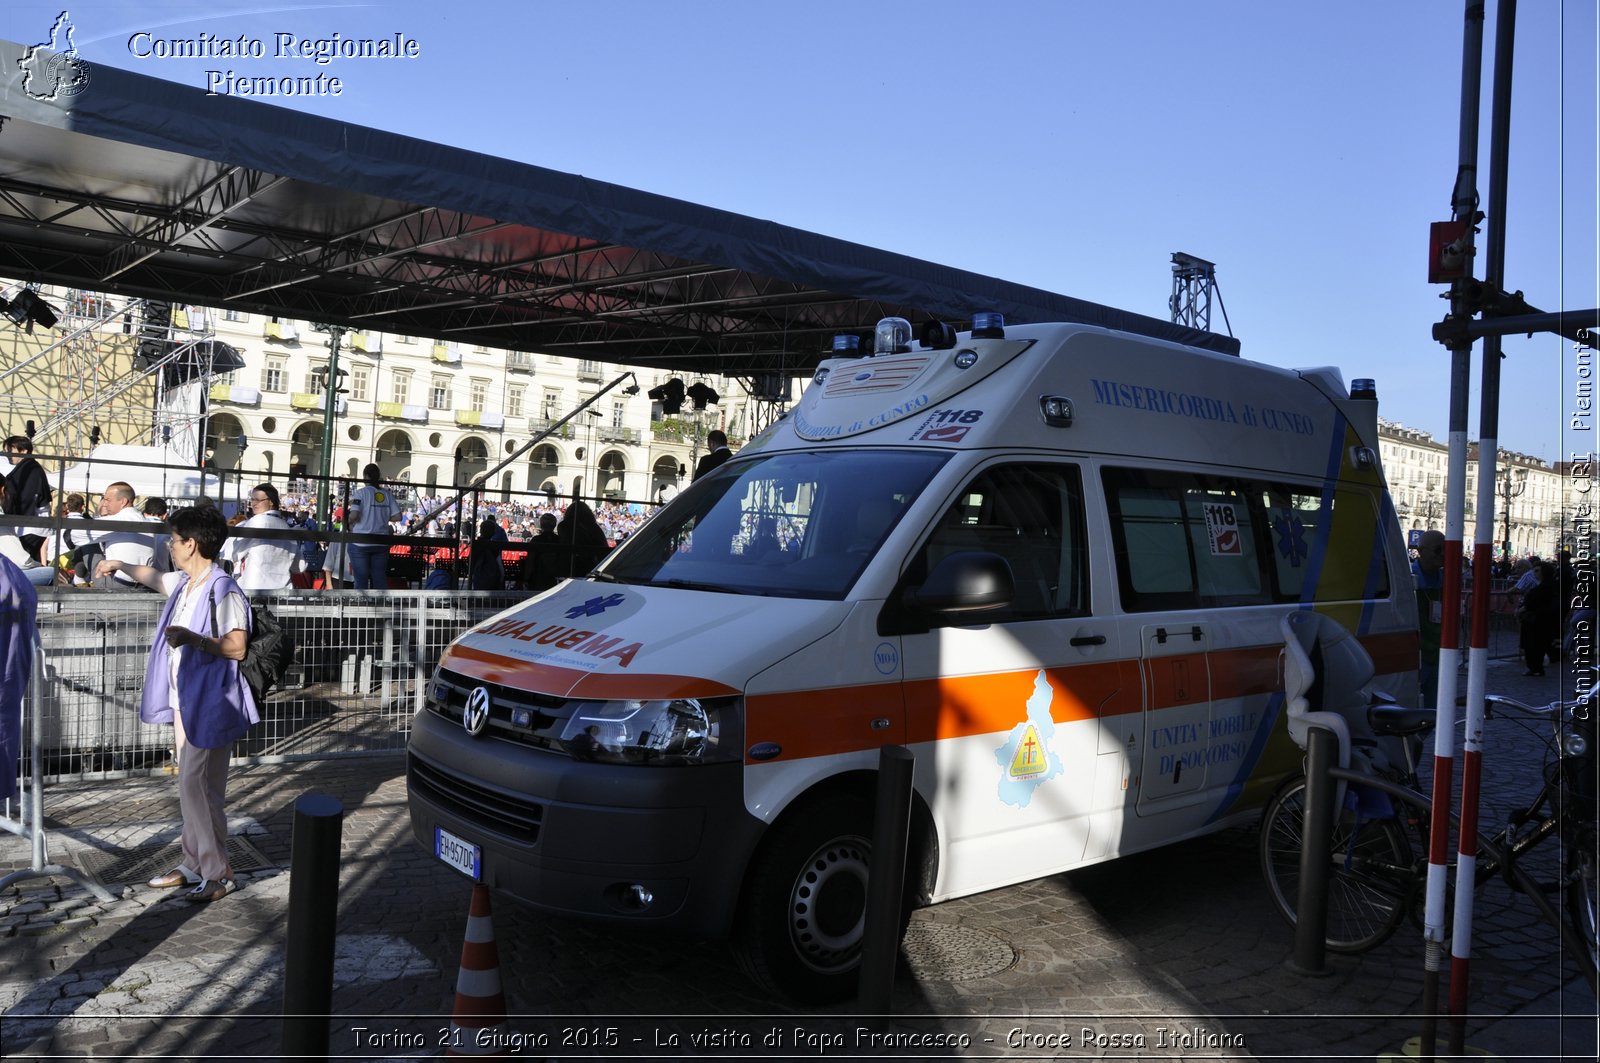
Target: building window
407 339
514 395
616 414
235 315
478 395
439 393
552 405
272 376
314 379
360 382
400 388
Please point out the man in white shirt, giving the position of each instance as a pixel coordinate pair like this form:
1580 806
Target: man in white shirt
261 564
129 547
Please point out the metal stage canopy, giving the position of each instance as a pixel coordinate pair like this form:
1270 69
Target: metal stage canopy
147 188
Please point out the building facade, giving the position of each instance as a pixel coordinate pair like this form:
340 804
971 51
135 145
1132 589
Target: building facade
440 416
1537 504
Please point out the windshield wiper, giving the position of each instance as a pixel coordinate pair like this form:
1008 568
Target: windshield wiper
690 585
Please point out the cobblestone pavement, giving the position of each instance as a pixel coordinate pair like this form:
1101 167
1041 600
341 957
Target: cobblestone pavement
1165 955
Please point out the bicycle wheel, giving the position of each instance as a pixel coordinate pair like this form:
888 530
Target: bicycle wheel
1581 906
1370 873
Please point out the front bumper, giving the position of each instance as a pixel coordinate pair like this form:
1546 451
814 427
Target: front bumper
576 837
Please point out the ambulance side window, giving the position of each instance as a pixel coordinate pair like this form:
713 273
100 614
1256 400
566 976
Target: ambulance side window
1031 515
1188 540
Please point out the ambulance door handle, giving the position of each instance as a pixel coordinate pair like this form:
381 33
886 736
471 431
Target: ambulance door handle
1087 640
881 723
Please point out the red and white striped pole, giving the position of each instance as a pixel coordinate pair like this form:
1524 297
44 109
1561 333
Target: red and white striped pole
1464 206
1488 462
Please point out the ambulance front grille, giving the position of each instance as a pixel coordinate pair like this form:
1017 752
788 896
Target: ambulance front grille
504 813
520 716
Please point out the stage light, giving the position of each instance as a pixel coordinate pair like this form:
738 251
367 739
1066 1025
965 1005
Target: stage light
670 395
703 396
27 309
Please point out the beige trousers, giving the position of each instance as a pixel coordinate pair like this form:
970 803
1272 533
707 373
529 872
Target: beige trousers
202 786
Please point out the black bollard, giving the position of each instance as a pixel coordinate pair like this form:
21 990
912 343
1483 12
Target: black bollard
313 908
1311 909
891 825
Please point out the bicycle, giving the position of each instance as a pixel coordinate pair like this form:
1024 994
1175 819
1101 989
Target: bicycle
1378 863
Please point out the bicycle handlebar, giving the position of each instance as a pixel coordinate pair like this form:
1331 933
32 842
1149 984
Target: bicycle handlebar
1504 702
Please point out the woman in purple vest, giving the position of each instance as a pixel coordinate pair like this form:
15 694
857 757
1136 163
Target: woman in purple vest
192 681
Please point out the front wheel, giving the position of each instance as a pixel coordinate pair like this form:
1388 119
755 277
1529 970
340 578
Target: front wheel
1370 873
804 910
1581 907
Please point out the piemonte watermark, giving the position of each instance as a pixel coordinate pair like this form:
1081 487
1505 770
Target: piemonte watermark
320 51
51 72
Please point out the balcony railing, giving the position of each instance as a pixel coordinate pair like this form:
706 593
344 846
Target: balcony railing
614 434
239 394
539 424
480 418
408 412
519 362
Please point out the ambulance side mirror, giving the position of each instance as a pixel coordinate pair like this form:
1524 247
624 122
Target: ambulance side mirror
964 582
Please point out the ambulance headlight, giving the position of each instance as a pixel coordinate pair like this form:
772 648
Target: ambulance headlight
676 731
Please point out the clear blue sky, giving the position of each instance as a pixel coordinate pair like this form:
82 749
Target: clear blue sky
1070 145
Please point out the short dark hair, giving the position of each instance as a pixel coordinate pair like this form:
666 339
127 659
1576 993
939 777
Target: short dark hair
371 473
155 506
202 525
22 443
717 438
270 491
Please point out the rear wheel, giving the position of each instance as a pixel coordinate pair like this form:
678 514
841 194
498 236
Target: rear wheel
1370 874
804 910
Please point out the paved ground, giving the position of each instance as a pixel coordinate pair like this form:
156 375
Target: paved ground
1176 947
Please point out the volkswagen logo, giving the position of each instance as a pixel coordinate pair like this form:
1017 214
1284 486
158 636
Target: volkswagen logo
476 715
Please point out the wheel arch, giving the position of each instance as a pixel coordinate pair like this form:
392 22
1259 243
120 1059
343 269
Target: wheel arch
922 840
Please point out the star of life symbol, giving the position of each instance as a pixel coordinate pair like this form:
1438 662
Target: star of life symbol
594 606
1291 537
49 71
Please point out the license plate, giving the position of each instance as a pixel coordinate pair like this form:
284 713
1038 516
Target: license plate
458 853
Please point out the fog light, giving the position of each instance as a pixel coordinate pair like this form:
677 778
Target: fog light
1573 744
640 896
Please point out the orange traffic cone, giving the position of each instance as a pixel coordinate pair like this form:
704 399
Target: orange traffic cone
478 1027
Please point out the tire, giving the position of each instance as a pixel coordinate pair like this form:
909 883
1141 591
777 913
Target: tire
803 913
1581 907
1371 879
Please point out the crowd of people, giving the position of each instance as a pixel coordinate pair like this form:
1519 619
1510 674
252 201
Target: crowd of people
274 540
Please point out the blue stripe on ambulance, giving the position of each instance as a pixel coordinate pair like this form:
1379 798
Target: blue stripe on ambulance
1314 562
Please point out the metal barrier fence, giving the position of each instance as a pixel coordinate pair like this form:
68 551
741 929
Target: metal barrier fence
361 667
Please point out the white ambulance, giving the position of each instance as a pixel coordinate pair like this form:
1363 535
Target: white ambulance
1050 560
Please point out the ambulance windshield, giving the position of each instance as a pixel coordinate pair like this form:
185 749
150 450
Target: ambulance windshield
791 524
